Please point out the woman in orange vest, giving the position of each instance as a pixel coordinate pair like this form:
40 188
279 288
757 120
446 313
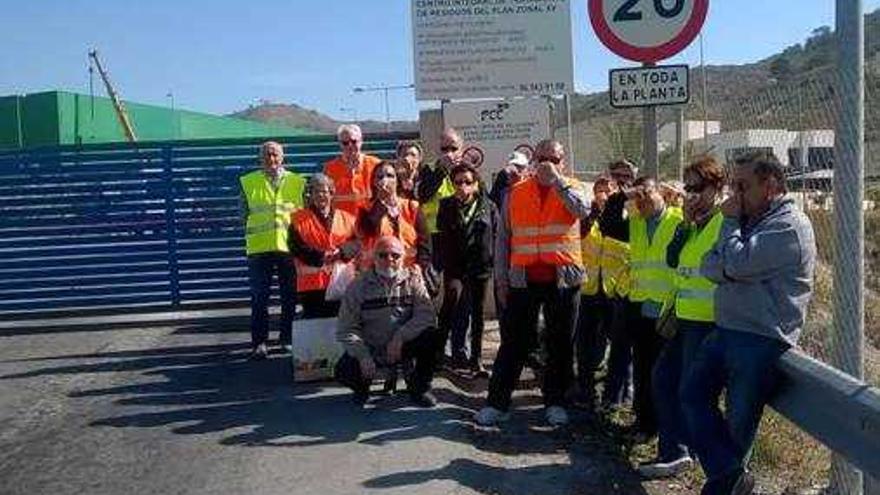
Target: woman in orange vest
390 215
320 235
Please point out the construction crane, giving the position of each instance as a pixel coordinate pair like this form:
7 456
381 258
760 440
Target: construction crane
121 114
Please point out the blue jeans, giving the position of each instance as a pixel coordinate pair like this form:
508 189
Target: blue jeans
744 364
618 382
261 268
668 374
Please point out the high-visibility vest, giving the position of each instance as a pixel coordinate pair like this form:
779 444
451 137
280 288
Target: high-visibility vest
314 233
431 207
695 299
269 210
606 260
409 211
542 232
652 278
352 186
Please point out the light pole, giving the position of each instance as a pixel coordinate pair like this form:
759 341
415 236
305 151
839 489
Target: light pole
351 110
384 90
170 96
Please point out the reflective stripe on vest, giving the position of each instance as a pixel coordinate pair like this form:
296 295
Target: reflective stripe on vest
542 232
695 300
606 261
315 235
352 186
652 278
269 210
409 211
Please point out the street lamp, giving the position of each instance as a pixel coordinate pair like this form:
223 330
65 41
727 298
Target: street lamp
384 90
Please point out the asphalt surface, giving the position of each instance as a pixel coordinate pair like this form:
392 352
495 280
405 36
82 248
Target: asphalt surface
177 408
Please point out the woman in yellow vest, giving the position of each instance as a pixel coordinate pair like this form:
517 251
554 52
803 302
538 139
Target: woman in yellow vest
649 229
694 310
269 196
320 236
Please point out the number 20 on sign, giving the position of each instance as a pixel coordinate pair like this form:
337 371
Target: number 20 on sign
647 30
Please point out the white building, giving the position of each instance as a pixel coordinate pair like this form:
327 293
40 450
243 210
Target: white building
792 148
693 129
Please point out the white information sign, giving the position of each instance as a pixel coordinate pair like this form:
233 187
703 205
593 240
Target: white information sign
498 126
649 86
491 48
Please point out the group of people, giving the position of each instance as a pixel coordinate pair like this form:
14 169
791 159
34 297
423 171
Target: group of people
684 291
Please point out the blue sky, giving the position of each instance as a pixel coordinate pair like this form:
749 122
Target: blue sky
218 56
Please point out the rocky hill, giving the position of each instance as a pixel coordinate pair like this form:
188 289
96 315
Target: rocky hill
294 115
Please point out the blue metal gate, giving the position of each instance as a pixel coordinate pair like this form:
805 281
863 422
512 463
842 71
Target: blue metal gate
118 227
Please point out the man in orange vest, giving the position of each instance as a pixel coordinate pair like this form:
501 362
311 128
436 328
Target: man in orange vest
538 266
320 236
351 170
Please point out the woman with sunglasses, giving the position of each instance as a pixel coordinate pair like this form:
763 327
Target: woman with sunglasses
694 309
464 223
390 215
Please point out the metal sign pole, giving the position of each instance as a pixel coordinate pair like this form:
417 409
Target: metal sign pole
571 154
649 138
849 187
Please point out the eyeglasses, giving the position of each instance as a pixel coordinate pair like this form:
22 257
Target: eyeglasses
695 188
388 255
464 182
349 142
555 160
448 149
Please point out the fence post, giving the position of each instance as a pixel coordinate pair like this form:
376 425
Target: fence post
849 246
171 222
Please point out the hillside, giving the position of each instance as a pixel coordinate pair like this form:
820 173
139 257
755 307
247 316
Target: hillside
294 115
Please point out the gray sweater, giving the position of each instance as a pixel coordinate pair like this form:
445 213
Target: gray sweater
373 311
764 271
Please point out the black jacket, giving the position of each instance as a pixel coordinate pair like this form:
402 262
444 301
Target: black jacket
466 249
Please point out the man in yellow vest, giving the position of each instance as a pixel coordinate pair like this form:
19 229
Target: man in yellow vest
435 184
694 309
604 261
538 267
649 230
269 196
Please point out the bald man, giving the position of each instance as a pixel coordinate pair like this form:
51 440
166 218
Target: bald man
387 317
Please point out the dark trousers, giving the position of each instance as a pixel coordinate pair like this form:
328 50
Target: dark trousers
745 364
560 308
261 268
422 349
667 381
591 338
647 344
618 382
463 300
315 306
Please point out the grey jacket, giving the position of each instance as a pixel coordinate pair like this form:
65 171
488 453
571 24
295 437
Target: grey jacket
574 199
764 272
372 312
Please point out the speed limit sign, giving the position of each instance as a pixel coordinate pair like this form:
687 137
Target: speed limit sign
647 30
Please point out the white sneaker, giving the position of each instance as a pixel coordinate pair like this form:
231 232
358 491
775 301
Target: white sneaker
660 469
489 416
556 416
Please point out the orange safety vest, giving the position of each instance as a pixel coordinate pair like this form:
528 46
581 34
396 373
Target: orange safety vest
352 186
542 232
409 211
313 232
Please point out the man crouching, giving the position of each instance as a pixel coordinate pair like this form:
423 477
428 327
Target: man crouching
387 317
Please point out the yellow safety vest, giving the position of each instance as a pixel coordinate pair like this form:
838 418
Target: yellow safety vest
695 299
432 206
652 278
607 260
269 210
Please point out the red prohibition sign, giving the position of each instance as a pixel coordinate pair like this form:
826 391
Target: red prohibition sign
646 53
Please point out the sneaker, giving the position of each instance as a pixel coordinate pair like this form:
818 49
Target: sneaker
287 348
424 399
665 469
489 416
260 353
556 416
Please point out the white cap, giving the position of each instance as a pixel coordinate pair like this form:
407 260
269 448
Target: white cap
518 159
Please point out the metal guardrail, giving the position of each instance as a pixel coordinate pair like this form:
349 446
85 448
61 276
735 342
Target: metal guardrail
838 410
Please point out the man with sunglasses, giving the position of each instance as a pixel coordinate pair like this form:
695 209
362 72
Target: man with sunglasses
351 170
387 317
435 184
763 264
538 267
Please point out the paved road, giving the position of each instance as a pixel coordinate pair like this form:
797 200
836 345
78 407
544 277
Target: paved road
178 409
